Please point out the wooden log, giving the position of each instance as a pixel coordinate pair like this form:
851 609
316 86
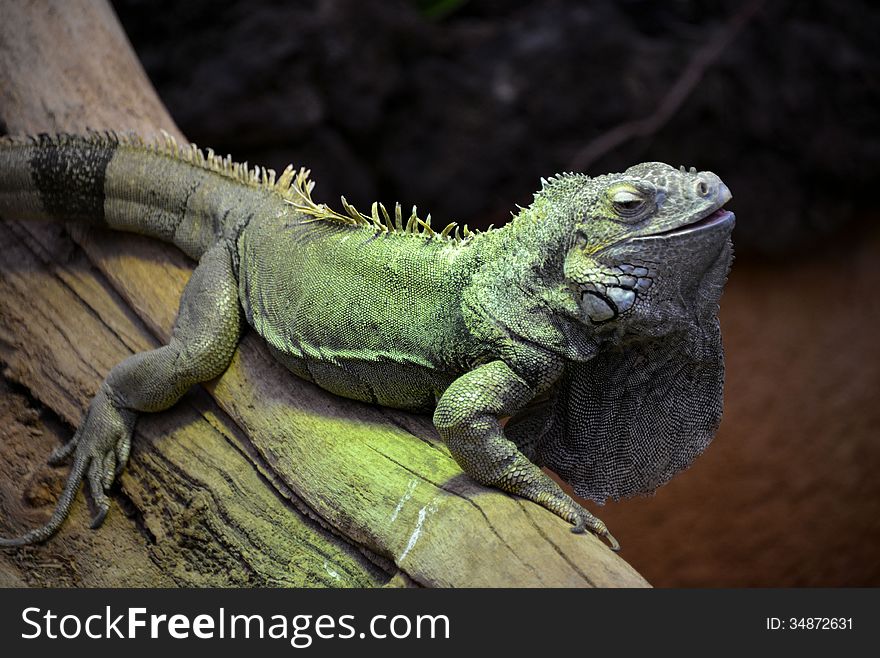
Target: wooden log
257 478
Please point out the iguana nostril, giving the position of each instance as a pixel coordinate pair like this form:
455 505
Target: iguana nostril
703 188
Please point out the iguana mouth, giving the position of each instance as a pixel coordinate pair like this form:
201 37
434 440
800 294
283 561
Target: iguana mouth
713 219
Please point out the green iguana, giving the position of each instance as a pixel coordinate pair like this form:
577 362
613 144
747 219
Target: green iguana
590 319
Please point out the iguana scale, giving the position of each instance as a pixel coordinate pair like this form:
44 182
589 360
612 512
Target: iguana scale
590 320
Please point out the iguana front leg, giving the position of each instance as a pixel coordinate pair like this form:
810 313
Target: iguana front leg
202 343
467 417
528 426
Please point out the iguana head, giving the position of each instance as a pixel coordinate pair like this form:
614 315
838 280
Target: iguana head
647 258
639 241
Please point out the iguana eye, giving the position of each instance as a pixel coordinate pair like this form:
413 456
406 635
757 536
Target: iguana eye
628 202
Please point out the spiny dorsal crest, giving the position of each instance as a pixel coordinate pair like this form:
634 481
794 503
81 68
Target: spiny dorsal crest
293 185
299 195
561 185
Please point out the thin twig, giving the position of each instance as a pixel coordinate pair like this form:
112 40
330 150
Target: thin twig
693 73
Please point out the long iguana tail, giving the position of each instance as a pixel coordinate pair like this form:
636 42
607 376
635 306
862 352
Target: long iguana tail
172 192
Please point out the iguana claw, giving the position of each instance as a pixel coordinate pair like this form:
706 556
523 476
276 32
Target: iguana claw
586 521
98 519
613 544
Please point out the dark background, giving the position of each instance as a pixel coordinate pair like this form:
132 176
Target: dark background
461 106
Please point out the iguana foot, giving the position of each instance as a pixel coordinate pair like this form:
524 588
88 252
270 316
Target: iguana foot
583 519
561 504
100 449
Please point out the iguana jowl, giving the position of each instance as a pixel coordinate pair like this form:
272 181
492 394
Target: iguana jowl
590 319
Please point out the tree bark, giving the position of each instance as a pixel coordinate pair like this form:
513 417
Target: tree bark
257 478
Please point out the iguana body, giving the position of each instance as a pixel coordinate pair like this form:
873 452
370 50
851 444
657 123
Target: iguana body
590 319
